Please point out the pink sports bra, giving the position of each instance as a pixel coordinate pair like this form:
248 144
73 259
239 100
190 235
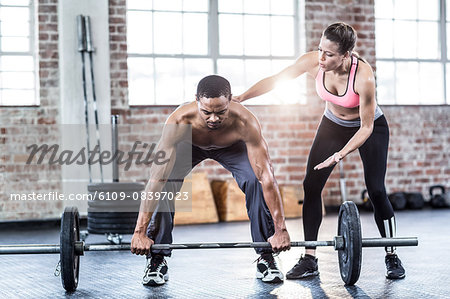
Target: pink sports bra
350 98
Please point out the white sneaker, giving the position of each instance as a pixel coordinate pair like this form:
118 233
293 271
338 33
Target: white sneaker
156 271
267 269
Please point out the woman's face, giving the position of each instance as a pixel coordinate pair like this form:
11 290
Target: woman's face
329 57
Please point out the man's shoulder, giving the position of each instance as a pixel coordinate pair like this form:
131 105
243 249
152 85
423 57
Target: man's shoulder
246 122
242 113
184 113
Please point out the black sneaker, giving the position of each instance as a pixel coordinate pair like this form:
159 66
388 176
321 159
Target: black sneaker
267 269
305 267
394 267
155 271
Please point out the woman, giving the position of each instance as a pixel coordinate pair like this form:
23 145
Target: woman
352 120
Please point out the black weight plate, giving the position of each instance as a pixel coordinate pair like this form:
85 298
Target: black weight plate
70 262
94 220
114 203
113 231
110 226
350 258
94 214
116 186
115 209
415 200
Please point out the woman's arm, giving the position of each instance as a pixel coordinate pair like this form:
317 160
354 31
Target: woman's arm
305 63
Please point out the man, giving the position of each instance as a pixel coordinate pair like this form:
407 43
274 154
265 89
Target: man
230 134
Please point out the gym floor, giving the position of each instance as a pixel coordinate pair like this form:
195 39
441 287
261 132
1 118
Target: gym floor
222 273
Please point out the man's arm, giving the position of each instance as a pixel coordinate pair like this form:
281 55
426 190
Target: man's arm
259 159
172 134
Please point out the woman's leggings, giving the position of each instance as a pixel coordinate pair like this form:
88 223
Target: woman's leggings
330 138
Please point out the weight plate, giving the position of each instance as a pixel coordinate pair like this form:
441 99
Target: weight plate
125 231
115 209
350 258
128 204
112 220
116 186
94 214
415 200
111 226
113 204
70 262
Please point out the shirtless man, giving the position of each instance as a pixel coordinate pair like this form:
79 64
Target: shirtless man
227 132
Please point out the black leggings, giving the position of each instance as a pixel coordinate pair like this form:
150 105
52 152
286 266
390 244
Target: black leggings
330 138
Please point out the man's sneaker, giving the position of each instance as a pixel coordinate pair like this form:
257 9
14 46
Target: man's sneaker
305 267
394 267
155 271
267 269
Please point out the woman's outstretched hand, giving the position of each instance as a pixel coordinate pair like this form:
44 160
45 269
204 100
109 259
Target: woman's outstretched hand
335 158
237 99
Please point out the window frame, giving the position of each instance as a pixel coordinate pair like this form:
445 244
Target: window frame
443 59
33 53
213 43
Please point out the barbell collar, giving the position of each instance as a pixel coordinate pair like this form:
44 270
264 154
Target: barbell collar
339 243
79 247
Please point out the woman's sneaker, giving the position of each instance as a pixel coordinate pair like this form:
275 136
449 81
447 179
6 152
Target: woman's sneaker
305 267
155 271
394 267
267 269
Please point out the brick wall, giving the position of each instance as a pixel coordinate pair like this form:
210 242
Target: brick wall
17 122
118 48
360 14
417 157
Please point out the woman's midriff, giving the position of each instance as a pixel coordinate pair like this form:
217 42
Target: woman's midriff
343 113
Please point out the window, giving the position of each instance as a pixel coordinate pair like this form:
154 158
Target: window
17 60
411 51
173 44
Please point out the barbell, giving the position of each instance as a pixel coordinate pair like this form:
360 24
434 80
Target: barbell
348 243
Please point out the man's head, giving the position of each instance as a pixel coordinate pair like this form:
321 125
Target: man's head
213 99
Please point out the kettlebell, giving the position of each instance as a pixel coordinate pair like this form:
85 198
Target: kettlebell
438 200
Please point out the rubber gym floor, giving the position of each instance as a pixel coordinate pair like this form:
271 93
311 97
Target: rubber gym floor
230 273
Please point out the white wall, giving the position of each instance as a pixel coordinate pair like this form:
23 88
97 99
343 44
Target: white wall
72 111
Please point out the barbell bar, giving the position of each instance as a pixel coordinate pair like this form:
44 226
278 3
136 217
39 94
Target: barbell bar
337 244
348 243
